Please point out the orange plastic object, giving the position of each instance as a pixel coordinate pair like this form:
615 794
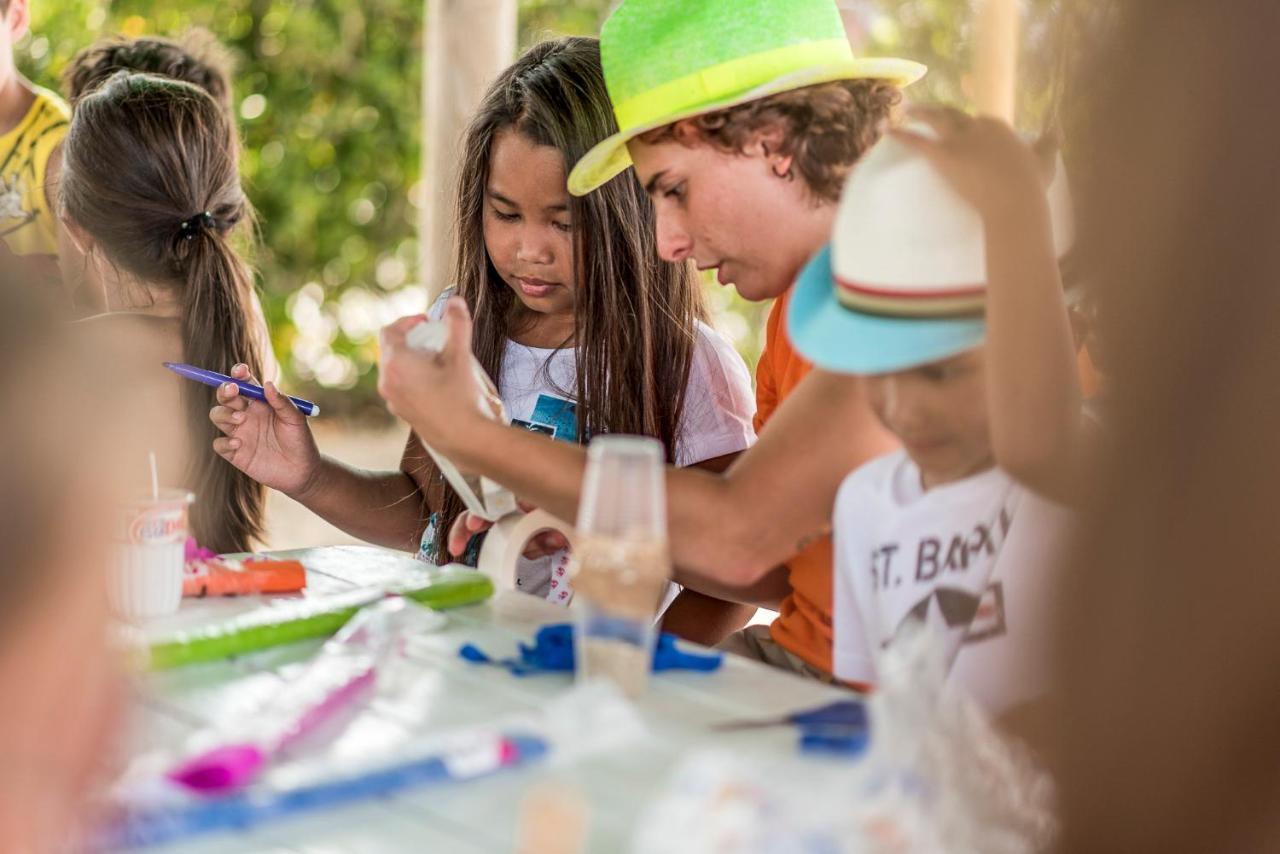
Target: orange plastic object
243 578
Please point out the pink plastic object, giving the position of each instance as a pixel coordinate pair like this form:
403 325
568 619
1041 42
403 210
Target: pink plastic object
194 551
221 769
339 678
234 765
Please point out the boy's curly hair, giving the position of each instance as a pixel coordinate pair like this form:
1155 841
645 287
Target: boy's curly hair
826 128
197 58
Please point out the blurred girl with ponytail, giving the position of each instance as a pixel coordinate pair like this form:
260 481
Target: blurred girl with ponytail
151 195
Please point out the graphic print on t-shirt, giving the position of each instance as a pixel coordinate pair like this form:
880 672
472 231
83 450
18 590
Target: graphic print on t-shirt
558 418
975 560
945 581
27 225
554 416
981 617
12 214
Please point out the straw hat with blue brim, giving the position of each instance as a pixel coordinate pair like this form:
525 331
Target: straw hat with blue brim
666 60
903 281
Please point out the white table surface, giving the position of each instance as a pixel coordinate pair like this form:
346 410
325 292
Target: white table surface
434 690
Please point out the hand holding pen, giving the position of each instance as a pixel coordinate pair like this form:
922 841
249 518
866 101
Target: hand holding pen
249 389
269 440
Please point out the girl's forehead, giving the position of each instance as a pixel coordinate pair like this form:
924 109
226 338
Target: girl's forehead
518 165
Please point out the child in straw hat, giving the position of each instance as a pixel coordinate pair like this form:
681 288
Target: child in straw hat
938 229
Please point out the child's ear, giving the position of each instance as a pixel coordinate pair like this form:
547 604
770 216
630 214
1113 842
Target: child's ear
80 239
19 19
686 132
768 143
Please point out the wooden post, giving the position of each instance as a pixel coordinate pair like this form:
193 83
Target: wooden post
995 66
466 44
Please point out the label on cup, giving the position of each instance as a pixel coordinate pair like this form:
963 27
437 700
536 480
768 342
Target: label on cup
154 521
159 526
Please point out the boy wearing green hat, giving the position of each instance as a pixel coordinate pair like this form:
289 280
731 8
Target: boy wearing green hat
743 123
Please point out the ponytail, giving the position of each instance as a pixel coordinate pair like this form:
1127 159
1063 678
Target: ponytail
216 334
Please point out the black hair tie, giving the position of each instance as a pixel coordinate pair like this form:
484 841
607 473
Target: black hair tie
196 224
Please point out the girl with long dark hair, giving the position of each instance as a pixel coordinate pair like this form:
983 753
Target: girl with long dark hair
582 327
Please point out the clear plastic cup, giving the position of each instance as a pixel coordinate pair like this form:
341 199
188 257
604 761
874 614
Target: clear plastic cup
147 555
621 561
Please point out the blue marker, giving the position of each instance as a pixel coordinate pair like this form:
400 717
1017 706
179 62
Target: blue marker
262 803
249 390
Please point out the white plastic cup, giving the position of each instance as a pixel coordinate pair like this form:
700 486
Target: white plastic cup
621 561
624 490
147 555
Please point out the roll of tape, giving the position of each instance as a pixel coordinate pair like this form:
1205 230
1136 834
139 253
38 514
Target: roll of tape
506 540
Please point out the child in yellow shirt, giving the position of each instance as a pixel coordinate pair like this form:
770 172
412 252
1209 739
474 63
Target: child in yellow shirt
33 122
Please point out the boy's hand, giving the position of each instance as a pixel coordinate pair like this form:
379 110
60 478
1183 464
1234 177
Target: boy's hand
270 442
436 393
984 160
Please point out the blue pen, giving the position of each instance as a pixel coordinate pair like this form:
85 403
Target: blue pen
249 390
255 806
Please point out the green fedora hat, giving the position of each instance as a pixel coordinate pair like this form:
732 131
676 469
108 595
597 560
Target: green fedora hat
666 60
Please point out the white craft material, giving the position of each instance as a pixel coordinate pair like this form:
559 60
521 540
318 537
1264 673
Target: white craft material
485 498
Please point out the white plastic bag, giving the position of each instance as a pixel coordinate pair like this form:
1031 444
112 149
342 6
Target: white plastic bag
937 778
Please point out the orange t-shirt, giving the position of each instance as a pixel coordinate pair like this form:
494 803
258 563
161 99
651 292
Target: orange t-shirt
803 626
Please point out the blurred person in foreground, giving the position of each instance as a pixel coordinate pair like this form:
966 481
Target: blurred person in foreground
1167 736
58 681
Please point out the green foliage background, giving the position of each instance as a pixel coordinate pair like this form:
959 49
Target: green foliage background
327 93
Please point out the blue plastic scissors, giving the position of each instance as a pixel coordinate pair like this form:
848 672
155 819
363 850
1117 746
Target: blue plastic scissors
844 713
839 727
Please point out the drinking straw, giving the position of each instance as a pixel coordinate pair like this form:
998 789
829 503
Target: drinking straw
155 477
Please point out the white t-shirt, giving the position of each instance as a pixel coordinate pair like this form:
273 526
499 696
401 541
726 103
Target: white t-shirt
973 559
538 387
